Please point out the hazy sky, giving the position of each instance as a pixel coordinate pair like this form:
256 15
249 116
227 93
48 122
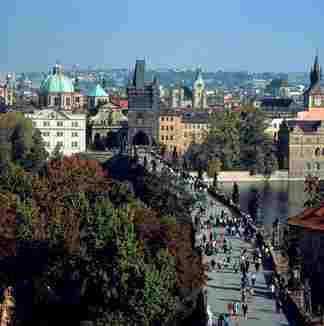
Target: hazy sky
254 35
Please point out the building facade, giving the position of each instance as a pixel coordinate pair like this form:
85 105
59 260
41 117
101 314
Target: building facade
181 129
306 232
57 90
314 96
61 128
143 109
301 147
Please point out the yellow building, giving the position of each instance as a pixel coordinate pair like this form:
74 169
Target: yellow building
180 129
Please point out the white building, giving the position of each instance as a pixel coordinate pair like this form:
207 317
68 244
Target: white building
61 127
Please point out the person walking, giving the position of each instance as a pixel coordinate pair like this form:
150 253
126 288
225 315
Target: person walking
253 279
213 264
221 320
244 309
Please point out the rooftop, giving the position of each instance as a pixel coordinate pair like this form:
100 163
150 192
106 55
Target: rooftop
304 125
310 218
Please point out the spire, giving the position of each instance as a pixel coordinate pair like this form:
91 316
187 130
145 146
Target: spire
315 75
139 75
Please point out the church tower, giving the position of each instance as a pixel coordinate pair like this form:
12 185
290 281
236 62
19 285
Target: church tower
199 98
143 109
314 95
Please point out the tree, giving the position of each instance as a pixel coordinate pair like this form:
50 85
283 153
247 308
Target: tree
5 156
38 154
312 191
57 154
214 166
236 194
19 147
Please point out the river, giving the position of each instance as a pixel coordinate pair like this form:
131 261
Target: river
279 199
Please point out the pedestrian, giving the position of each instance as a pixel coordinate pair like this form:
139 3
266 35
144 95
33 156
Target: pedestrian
253 279
257 266
237 308
213 264
278 306
247 264
272 289
221 320
226 320
244 309
243 296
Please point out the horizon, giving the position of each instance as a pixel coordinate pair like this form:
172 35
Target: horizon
232 36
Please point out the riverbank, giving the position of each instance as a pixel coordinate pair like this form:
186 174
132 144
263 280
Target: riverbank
244 176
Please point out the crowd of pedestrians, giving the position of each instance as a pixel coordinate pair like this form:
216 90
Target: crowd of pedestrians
248 264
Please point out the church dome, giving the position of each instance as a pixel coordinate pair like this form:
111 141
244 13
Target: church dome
97 91
57 83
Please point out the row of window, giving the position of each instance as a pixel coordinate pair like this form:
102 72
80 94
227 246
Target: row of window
58 123
167 138
60 143
317 166
318 152
190 134
166 118
166 128
195 126
59 134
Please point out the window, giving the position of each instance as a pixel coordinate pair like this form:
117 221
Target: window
162 118
198 126
75 124
68 101
56 101
309 166
167 128
74 144
47 144
45 134
317 166
59 123
171 118
317 152
75 134
59 134
77 99
171 137
59 143
46 123
167 119
162 137
171 127
166 138
34 124
162 127
185 135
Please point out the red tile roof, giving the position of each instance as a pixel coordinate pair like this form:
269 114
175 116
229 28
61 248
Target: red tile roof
310 218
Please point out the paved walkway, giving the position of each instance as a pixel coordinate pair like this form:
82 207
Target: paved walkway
224 287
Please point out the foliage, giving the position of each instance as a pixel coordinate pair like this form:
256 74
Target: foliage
121 261
57 153
312 191
214 167
239 140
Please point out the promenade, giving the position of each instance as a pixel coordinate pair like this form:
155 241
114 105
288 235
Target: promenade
223 287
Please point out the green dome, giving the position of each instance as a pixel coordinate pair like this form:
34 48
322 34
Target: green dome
57 83
97 91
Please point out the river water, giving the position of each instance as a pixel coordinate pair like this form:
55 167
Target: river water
279 199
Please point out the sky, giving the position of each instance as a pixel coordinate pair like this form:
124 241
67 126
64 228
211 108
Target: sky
230 35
